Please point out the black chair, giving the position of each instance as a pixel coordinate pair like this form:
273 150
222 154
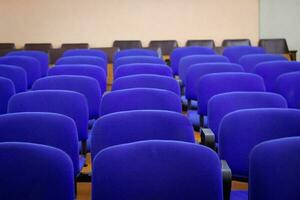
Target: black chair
236 42
45 47
127 44
66 46
203 43
166 46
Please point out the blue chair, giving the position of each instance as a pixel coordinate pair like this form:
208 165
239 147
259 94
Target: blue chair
234 53
71 104
188 61
270 71
146 81
154 168
241 130
181 52
86 60
217 83
220 105
140 125
137 59
16 74
85 52
41 56
87 86
49 129
33 171
7 90
134 52
139 99
83 70
142 68
288 86
250 61
29 64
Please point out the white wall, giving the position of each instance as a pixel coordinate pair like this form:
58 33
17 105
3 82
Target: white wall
281 19
99 22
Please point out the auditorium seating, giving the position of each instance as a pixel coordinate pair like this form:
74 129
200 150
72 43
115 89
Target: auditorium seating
45 47
203 43
135 52
236 42
236 52
85 52
166 170
7 89
16 74
137 59
140 125
127 44
166 46
67 46
33 171
7 46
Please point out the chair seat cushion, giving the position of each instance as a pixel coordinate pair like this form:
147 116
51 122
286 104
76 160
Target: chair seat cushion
239 195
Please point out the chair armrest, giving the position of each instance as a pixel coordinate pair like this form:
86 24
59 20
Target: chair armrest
207 138
293 54
227 176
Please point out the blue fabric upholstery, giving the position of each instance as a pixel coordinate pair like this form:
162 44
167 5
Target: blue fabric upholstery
88 60
181 52
140 99
198 70
7 89
83 70
41 56
16 74
134 52
241 130
220 105
239 195
188 61
86 52
147 81
50 129
217 83
29 64
250 61
288 86
33 171
270 71
140 125
236 52
71 104
160 166
274 170
143 68
87 86
137 59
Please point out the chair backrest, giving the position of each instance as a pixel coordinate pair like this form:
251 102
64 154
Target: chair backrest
85 52
250 61
236 42
7 46
288 86
269 158
16 74
243 129
87 86
137 59
67 46
150 161
71 104
278 46
49 129
234 53
217 83
146 81
42 57
140 125
202 43
7 90
135 52
127 44
198 70
166 46
187 61
45 47
29 64
81 70
140 99
181 52
220 105
142 68
89 60
271 70
35 172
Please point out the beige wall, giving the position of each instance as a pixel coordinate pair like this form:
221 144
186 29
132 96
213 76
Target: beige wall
99 22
